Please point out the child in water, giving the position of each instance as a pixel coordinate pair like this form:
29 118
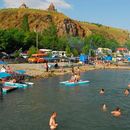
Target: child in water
126 92
102 91
104 107
52 123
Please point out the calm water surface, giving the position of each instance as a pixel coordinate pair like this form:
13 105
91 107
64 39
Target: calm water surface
78 108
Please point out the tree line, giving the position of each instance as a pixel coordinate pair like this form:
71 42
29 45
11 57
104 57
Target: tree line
15 39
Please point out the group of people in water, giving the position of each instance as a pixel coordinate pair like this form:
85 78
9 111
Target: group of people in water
117 112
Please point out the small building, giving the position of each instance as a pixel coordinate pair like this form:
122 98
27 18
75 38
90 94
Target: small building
23 6
83 58
103 51
44 51
59 53
51 7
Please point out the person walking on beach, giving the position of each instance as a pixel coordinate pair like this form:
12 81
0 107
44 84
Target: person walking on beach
72 69
52 123
46 66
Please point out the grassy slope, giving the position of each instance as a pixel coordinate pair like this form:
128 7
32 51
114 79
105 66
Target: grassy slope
10 18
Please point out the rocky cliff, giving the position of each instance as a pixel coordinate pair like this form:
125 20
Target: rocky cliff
41 19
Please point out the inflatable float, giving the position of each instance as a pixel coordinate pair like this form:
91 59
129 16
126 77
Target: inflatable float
7 89
75 83
17 85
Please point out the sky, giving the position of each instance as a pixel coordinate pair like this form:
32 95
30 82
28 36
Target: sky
115 13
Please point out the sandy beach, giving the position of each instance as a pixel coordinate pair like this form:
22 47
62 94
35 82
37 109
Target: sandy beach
39 71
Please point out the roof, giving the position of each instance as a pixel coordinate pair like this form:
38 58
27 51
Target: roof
45 50
122 49
39 55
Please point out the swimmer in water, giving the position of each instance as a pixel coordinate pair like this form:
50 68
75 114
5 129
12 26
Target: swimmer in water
128 85
116 112
104 107
52 123
126 92
102 91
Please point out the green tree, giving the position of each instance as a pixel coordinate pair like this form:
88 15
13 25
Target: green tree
17 53
127 44
68 51
75 52
29 40
62 43
49 38
32 50
76 42
25 24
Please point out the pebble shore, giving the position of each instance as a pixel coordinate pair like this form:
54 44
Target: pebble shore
39 71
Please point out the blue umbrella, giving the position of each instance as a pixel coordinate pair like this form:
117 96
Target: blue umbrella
20 71
3 63
4 75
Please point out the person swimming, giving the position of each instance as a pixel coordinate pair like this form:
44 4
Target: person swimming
126 92
102 91
128 85
116 112
104 107
52 123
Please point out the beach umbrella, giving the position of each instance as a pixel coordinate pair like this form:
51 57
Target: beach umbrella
2 62
20 71
4 75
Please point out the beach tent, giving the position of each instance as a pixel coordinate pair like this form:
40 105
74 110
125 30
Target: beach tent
83 58
4 75
128 58
2 62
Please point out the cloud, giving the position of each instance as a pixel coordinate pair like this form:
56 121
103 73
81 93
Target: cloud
39 4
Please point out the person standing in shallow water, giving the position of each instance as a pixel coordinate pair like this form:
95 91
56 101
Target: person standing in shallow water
1 86
52 123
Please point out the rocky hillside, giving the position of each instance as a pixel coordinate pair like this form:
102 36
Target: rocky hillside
40 19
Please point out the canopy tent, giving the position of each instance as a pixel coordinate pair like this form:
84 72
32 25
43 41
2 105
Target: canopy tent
4 75
2 62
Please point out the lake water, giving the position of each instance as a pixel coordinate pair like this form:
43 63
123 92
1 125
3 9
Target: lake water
78 108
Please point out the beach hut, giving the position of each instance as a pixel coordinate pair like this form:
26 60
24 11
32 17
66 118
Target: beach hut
83 58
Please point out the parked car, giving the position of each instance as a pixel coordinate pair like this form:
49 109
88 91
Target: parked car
37 58
74 59
4 55
52 59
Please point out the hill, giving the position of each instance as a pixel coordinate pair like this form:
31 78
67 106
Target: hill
41 19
